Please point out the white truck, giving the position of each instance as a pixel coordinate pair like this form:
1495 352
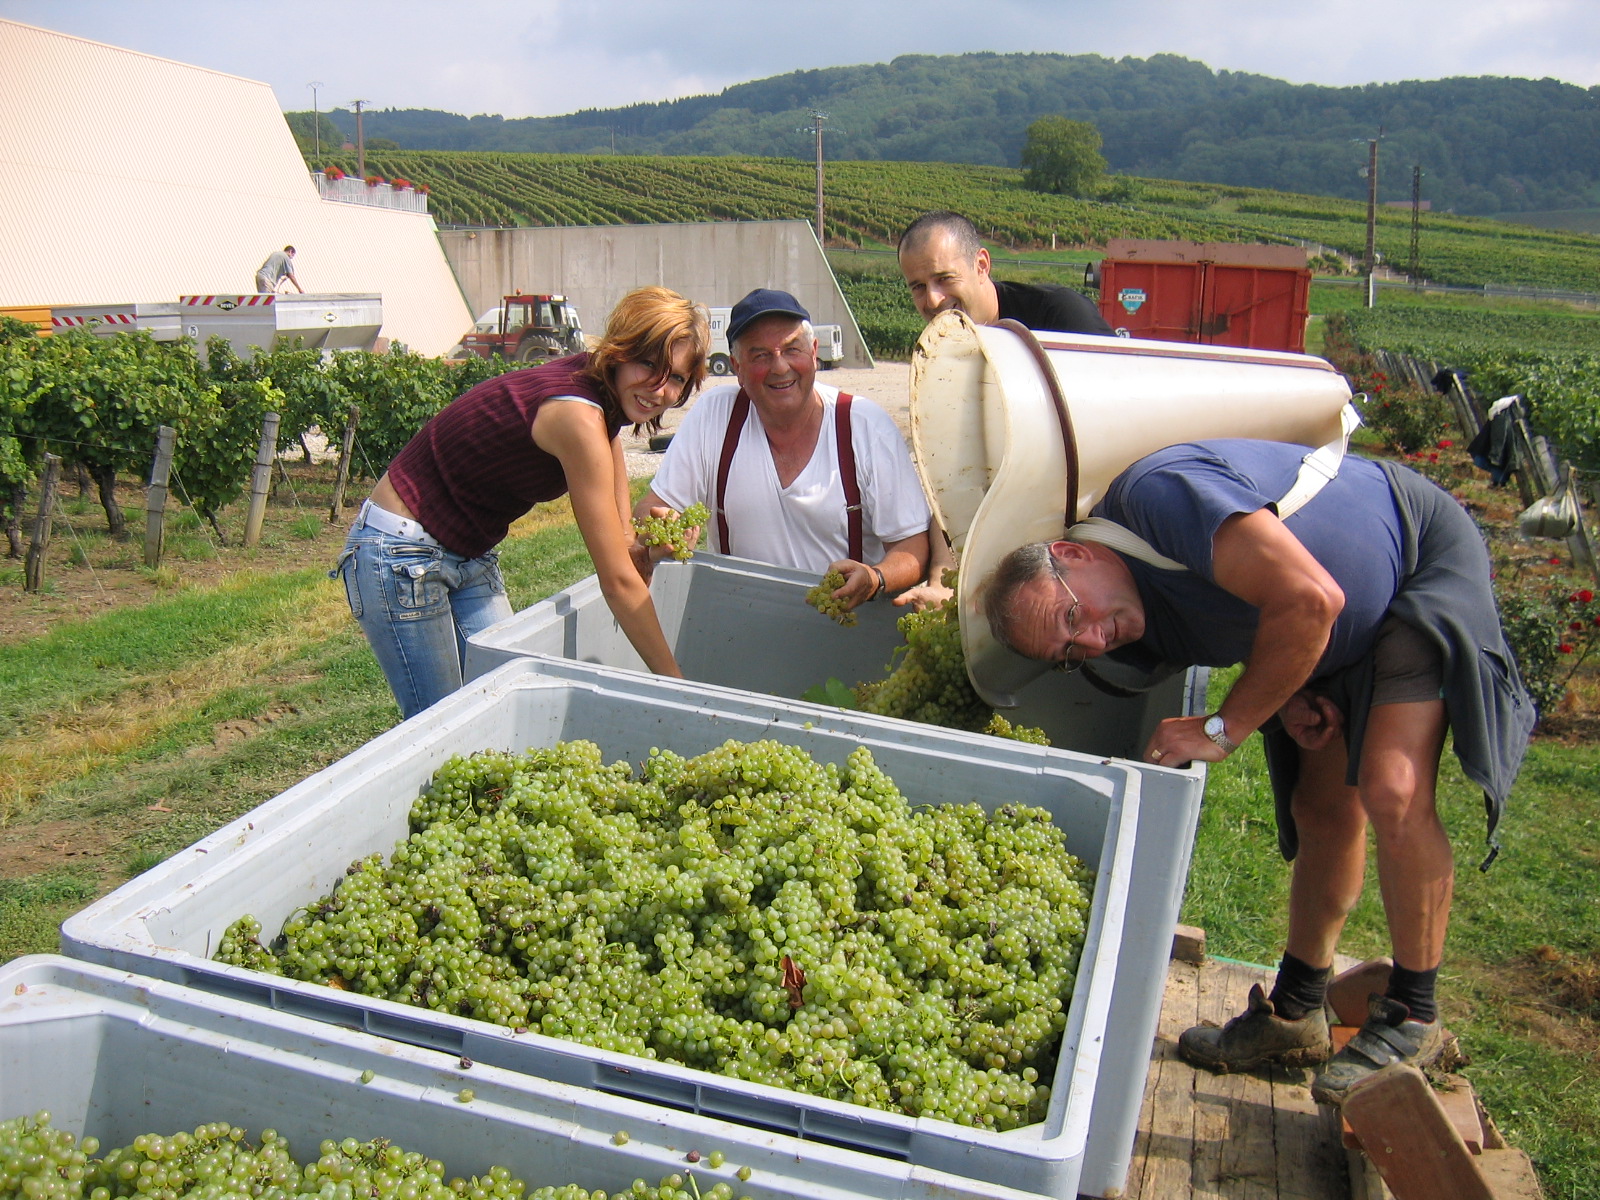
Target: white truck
830 344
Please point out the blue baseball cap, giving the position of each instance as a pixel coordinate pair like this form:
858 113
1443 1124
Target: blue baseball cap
760 303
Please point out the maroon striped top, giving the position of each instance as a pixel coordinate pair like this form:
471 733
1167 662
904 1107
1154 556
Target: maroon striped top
474 468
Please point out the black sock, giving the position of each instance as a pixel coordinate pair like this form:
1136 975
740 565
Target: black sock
1299 989
1414 989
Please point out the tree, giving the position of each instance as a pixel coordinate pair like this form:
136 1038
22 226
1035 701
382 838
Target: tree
305 127
1062 156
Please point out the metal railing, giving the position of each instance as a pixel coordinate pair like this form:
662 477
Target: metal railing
350 190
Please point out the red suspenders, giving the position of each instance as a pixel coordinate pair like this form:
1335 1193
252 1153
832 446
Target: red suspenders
847 469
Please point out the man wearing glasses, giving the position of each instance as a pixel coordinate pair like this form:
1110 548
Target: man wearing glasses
795 472
1366 626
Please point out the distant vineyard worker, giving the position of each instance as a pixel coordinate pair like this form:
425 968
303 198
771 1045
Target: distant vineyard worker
946 266
278 267
420 567
1367 627
795 471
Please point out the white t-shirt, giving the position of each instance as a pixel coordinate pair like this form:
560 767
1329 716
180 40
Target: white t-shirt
802 525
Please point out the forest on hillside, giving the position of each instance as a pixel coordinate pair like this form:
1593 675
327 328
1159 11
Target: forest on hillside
1485 145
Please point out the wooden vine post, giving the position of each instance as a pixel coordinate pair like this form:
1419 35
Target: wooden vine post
343 478
33 571
155 497
261 479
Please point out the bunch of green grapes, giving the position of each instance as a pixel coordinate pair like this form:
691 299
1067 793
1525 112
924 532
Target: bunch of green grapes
998 726
218 1162
825 602
672 531
928 681
750 911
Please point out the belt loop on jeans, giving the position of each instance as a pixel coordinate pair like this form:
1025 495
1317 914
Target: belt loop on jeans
385 521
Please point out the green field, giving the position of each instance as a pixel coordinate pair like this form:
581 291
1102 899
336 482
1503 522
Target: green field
869 203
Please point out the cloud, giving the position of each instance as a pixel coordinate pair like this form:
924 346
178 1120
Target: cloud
545 57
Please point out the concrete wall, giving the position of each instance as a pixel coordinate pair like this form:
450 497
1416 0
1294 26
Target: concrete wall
715 262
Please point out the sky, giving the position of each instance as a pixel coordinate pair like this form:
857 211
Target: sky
545 57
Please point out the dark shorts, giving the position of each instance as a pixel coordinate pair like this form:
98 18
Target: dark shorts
1407 666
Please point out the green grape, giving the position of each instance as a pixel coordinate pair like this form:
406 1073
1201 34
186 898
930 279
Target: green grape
998 726
928 680
825 602
672 530
216 1161
750 911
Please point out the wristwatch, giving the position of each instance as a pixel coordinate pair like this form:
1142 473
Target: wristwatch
1216 729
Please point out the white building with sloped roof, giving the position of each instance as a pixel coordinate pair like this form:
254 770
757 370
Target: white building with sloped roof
130 178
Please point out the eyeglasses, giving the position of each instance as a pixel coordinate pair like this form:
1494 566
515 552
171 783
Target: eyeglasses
1069 664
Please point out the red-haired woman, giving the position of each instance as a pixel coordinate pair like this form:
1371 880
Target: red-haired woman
420 567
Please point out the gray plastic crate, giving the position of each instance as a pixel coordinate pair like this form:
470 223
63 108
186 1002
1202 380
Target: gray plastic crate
293 849
115 1055
746 625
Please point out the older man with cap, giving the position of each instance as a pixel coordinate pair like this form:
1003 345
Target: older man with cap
1361 608
796 472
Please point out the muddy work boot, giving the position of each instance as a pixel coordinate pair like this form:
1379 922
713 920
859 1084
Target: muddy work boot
1388 1036
1257 1037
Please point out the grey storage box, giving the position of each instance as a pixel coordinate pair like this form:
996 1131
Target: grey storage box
746 625
293 849
114 1055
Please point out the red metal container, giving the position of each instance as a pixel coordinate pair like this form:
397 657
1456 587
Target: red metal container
1214 293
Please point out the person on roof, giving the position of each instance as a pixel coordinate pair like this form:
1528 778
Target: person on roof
278 267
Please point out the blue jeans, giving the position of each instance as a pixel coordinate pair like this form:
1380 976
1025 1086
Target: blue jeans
418 604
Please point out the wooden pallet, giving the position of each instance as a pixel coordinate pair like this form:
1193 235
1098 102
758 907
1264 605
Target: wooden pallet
1260 1136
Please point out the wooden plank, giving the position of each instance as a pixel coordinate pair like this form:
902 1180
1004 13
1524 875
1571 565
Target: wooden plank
1234 1153
1349 989
1460 1105
1247 1167
1510 1175
1311 1162
1365 1182
1405 1132
1160 1167
1189 944
1213 1094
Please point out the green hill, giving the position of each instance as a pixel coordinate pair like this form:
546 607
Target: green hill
1486 144
870 203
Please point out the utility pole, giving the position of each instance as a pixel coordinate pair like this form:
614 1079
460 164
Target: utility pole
361 144
316 122
1370 265
817 118
1415 266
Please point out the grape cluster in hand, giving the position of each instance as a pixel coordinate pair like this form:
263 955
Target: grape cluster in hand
929 680
749 911
218 1162
672 531
825 602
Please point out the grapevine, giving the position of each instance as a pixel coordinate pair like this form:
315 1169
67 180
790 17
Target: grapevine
217 1162
825 602
750 911
672 530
